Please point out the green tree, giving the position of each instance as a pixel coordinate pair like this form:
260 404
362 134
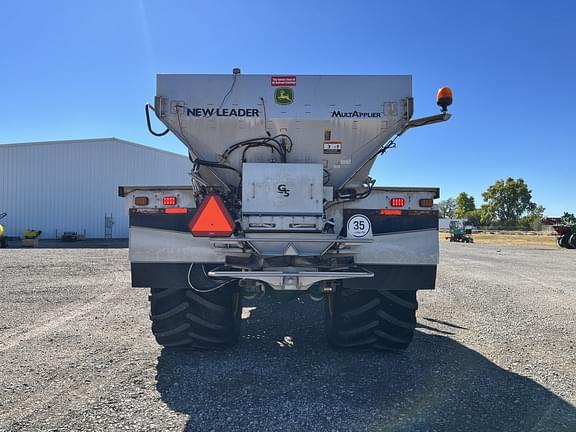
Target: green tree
480 216
568 219
507 200
534 219
473 217
464 205
446 208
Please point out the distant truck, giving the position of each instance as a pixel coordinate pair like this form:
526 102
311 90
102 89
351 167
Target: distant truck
281 203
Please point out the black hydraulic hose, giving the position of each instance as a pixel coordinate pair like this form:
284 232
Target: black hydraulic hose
249 146
147 107
254 143
216 165
355 197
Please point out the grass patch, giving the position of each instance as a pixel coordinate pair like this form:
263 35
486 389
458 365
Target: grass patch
511 238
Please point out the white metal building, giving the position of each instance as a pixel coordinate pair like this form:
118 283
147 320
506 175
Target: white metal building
61 186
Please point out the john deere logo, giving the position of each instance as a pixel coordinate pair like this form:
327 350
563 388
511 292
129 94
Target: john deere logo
284 96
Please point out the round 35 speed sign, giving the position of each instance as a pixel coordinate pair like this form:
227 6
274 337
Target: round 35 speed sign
358 226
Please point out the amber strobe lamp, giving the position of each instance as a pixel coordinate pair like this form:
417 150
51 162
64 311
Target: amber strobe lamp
444 98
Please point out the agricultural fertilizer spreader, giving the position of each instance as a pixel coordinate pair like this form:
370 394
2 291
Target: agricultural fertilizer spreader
281 201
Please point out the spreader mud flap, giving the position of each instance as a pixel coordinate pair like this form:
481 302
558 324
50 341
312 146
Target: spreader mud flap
396 277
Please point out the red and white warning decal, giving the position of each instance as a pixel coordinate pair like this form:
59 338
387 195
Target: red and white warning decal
283 81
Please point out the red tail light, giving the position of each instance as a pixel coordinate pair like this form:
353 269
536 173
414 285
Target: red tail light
169 200
397 202
212 219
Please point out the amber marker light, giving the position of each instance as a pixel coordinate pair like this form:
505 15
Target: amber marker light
141 201
444 98
426 202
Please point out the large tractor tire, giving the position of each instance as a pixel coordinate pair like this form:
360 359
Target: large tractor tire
188 319
371 319
564 241
572 241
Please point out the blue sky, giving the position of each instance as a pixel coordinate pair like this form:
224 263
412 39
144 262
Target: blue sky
71 69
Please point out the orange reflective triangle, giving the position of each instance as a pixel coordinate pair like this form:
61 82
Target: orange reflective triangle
212 219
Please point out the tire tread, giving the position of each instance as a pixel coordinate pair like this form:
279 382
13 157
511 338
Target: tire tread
184 319
376 319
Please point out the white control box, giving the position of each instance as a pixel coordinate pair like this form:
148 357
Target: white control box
282 189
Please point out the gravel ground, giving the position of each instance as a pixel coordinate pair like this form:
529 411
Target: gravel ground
495 350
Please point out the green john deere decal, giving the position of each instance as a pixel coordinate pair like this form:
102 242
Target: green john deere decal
284 96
